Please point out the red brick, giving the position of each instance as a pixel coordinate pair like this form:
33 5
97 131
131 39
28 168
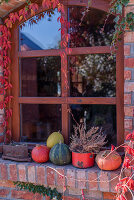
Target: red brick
31 174
50 176
131 2
126 50
127 98
92 177
15 194
129 62
13 172
71 177
129 86
129 111
129 9
127 75
60 178
71 198
22 173
114 179
40 175
81 179
4 192
129 37
109 196
38 197
128 123
104 181
93 195
126 132
7 183
4 172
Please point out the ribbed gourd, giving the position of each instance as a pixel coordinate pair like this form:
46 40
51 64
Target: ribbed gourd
60 154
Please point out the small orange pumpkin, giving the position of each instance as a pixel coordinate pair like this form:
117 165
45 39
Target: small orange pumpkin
108 162
40 154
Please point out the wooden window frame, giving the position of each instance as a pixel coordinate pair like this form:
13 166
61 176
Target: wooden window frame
65 100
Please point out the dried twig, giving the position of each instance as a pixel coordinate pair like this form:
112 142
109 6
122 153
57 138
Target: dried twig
90 141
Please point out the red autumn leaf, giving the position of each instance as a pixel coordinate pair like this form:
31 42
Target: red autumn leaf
130 183
8 132
124 179
112 147
121 197
126 162
129 136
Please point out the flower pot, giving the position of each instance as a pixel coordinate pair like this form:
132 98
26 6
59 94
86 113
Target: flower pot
17 152
82 160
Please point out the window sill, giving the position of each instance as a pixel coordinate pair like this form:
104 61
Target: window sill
48 174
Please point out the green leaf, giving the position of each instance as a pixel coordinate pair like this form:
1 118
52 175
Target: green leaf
116 19
125 2
119 9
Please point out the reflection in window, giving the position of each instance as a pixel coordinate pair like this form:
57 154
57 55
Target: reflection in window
92 75
86 27
39 121
41 77
103 116
41 35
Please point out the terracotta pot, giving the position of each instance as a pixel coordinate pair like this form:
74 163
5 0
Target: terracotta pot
82 160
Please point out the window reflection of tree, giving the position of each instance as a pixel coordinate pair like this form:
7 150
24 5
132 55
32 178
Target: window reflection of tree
86 27
97 72
49 76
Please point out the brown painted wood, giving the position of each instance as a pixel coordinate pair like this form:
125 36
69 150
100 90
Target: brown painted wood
15 82
67 51
91 100
65 122
120 92
100 4
67 100
64 82
39 53
97 4
41 100
88 50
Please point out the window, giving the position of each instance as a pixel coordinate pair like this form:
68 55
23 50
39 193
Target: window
85 81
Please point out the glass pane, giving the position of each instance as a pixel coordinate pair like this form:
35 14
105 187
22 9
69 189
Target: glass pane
38 121
103 116
41 77
86 27
92 75
41 35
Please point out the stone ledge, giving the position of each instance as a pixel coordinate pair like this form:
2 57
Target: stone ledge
48 174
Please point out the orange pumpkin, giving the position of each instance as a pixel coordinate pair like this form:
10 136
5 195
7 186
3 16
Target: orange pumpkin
40 154
108 162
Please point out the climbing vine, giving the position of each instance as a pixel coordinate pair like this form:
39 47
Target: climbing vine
123 21
40 189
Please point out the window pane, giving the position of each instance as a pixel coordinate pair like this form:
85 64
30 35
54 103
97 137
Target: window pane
96 115
92 75
41 35
39 121
41 77
86 27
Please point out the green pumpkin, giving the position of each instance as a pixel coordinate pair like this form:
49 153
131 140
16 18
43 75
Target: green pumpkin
60 154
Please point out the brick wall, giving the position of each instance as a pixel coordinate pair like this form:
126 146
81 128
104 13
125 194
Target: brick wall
95 183
129 76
